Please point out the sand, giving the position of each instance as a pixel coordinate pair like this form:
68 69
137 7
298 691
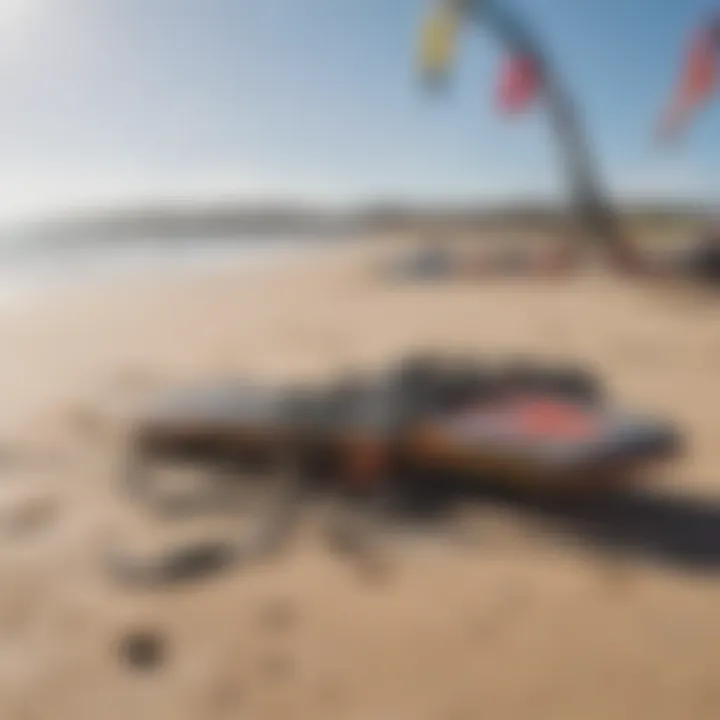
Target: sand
514 624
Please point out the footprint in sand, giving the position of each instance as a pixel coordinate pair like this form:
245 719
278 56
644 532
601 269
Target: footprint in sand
278 616
224 698
142 650
332 695
276 666
26 517
510 603
19 457
86 422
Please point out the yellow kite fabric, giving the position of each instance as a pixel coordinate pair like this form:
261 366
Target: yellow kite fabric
438 41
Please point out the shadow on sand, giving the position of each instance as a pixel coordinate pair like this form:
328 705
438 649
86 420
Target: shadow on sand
677 531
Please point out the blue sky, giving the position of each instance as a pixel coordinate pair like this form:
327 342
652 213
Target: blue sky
142 100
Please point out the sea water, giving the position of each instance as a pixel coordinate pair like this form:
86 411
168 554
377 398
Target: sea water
32 271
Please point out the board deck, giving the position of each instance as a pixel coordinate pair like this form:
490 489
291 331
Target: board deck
531 433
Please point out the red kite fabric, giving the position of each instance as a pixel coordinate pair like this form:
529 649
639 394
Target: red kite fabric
697 83
519 84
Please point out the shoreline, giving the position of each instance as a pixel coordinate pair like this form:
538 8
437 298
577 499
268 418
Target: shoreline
50 272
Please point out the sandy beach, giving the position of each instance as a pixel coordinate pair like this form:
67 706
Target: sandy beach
514 625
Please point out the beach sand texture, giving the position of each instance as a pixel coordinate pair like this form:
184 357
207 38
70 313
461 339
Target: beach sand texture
513 625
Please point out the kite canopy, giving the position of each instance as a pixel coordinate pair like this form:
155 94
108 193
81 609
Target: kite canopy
519 85
521 79
698 79
438 42
527 74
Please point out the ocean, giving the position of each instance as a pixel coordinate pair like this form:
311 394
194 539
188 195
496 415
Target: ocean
33 271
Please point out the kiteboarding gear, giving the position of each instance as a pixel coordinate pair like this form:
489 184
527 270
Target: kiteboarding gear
520 84
698 80
438 42
495 424
528 75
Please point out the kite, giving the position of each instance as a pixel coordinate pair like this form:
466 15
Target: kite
438 42
698 80
519 84
521 79
526 75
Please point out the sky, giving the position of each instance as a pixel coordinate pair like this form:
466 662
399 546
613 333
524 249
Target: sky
140 101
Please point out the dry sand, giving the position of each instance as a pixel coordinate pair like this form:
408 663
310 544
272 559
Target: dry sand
508 627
